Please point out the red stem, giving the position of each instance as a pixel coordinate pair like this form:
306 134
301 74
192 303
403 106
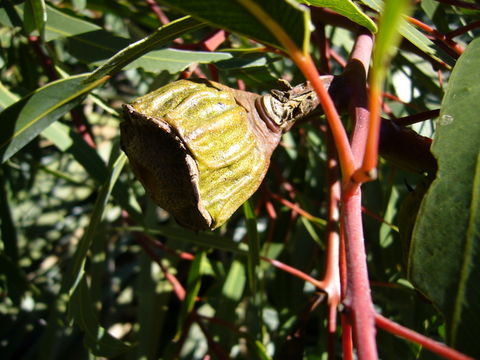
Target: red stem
176 285
358 300
463 4
463 30
158 12
347 341
440 37
432 345
413 119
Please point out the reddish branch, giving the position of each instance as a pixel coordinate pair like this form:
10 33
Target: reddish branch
144 242
463 30
164 20
459 3
413 119
358 301
432 345
333 263
448 42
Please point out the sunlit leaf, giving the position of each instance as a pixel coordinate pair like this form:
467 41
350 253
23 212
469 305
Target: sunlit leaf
444 258
35 16
141 47
174 61
237 17
346 8
409 32
25 119
194 280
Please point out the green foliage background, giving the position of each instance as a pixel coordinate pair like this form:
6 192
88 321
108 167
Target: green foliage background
83 264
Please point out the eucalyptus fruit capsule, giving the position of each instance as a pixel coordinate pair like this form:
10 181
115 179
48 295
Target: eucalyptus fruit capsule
201 149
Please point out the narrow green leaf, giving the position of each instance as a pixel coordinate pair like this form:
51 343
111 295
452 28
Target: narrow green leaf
194 280
207 240
444 259
154 293
387 39
373 4
99 46
162 35
261 351
253 68
174 61
97 339
7 98
76 270
234 284
253 246
25 119
35 17
59 24
346 8
417 38
235 16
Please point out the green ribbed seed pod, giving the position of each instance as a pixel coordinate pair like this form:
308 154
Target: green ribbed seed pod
200 148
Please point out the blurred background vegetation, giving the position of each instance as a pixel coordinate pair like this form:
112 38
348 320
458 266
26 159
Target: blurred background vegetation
89 266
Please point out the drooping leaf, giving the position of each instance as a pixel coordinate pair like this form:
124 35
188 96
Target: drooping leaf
387 40
25 119
207 240
194 280
409 32
444 258
141 47
97 339
35 16
253 260
174 61
253 18
346 8
253 69
59 24
7 98
76 270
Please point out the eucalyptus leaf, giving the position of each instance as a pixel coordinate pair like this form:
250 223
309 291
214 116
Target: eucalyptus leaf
59 25
444 261
35 16
237 16
194 281
25 119
253 259
98 340
77 268
346 8
134 51
417 38
7 98
174 61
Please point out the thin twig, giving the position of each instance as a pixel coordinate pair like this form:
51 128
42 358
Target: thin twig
432 345
413 119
